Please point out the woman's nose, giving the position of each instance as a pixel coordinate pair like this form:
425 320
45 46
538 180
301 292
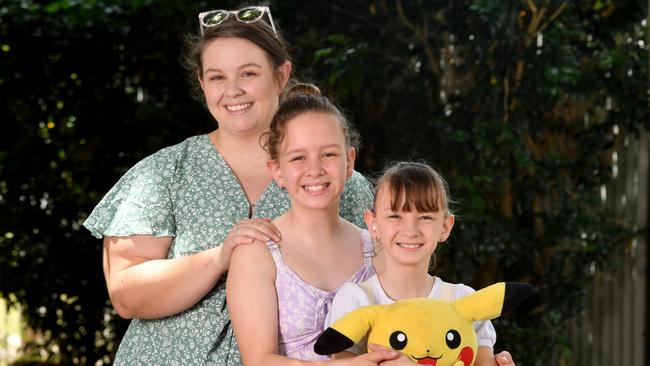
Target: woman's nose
233 89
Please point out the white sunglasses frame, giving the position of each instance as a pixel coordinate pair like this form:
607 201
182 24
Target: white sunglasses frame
263 9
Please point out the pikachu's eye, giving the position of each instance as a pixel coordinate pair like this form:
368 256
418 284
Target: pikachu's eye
398 340
453 339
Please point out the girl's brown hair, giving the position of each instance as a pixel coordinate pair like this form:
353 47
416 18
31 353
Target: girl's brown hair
414 186
302 98
260 33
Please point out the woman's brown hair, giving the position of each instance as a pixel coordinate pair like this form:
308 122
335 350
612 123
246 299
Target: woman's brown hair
260 33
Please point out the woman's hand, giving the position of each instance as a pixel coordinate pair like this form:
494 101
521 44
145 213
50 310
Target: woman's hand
247 232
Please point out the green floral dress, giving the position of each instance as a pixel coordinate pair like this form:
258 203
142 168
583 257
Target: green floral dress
188 192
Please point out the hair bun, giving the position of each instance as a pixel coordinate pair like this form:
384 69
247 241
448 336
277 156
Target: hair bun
299 89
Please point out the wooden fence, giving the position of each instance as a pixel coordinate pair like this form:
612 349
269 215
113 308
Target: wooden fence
612 330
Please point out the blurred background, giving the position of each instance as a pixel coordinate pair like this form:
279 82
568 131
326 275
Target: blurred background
534 110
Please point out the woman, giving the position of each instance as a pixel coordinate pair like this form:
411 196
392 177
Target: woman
171 223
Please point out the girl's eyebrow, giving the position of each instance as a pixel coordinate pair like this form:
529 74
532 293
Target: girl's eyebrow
300 149
250 64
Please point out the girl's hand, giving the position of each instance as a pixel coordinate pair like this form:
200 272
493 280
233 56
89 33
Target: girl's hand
374 358
400 359
247 232
504 358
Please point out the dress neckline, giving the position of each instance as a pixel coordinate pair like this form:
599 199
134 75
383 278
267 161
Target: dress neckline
231 175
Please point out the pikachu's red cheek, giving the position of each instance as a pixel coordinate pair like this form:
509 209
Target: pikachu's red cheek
466 356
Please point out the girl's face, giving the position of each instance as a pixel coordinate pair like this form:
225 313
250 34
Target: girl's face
407 237
240 85
313 161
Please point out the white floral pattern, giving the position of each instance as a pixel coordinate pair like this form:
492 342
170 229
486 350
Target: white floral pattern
188 192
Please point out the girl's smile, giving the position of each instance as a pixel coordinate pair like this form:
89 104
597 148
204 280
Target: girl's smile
407 236
313 162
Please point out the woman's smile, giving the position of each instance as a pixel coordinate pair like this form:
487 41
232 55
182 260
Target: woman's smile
238 107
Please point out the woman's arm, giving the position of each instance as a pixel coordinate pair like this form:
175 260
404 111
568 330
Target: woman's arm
143 283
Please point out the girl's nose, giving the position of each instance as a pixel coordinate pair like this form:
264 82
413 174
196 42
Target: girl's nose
411 227
314 167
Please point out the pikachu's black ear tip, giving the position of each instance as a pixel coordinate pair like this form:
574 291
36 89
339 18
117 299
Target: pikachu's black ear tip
332 341
516 293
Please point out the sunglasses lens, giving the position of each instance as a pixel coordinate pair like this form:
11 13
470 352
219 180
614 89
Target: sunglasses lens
215 18
250 14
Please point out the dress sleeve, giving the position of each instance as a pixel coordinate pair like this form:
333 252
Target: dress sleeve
139 203
486 335
356 198
348 298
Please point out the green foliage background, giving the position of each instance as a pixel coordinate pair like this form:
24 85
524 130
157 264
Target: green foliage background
518 103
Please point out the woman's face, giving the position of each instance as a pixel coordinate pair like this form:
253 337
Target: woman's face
313 161
240 85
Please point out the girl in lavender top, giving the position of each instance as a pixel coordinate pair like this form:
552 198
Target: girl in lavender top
280 292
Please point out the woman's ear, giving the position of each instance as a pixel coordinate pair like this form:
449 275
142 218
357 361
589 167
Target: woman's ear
200 79
274 168
284 72
351 155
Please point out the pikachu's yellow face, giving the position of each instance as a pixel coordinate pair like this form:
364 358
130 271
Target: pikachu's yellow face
429 332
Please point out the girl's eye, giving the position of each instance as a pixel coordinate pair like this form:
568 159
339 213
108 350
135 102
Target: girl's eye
394 216
426 218
216 77
248 74
297 158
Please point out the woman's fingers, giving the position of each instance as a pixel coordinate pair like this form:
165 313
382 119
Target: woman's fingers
258 229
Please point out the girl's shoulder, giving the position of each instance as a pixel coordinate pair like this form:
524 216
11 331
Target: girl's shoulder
355 294
450 291
244 255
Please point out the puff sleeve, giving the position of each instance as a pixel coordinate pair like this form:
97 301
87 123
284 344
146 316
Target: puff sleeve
139 203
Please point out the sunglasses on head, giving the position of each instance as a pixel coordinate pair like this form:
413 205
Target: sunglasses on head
249 14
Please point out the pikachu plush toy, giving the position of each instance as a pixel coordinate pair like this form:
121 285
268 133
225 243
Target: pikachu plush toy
430 332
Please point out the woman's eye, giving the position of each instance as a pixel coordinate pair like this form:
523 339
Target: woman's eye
329 155
248 74
216 77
